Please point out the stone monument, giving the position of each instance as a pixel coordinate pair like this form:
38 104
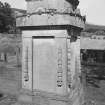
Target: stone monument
51 72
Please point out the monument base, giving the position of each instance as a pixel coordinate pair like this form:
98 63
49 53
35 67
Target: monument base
44 98
41 98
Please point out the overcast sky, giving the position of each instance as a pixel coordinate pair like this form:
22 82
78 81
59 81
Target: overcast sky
93 9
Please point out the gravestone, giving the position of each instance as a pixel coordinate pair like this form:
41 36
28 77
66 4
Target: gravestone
51 53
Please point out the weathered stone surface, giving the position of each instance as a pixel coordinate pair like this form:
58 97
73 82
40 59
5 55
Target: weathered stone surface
50 12
47 57
44 20
45 5
51 57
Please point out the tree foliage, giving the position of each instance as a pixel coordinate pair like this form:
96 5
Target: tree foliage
75 3
7 20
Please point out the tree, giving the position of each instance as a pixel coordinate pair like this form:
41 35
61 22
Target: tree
7 20
75 3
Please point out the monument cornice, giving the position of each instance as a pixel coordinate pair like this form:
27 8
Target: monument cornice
42 13
46 19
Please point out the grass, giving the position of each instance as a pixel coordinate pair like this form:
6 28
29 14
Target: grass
95 90
92 26
10 76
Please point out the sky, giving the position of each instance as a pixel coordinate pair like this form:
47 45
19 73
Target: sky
93 9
